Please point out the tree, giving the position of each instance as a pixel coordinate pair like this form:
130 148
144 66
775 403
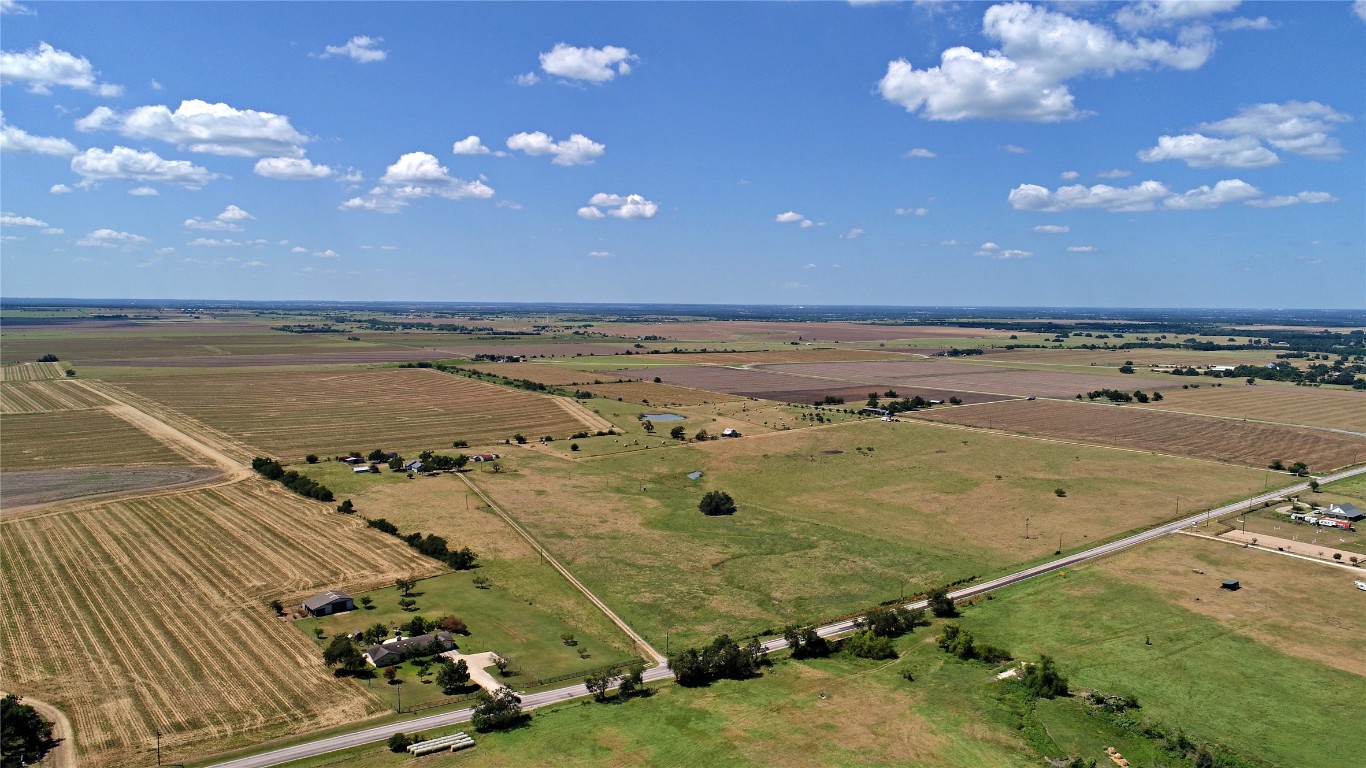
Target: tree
375 456
399 742
396 464
1204 758
1157 397
460 444
598 682
867 645
26 737
941 605
649 426
366 602
1314 485
955 400
632 680
1277 465
346 507
717 503
407 603
503 664
48 358
453 677
1043 681
1126 369
405 584
390 673
341 652
455 625
278 607
501 709
678 433
311 458
1300 468
701 436
519 438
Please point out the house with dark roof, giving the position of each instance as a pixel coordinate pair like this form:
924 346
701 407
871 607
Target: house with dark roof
396 650
328 603
1349 512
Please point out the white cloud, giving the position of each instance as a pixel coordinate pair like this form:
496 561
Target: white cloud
596 65
1144 196
373 203
993 251
60 189
989 246
233 213
788 217
109 238
1081 249
11 238
591 212
600 254
254 264
157 86
223 222
291 169
576 150
43 67
327 254
1053 229
96 165
199 126
14 220
144 192
470 145
416 175
12 8
912 211
1295 126
14 139
622 207
1280 201
853 234
1069 175
509 204
1359 8
1204 196
1200 151
527 79
949 243
1025 79
360 48
1014 149
1165 13
298 249
1246 22
208 242
809 265
920 152
54 231
1113 173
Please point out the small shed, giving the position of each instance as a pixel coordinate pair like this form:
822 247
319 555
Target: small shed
1231 585
361 470
329 602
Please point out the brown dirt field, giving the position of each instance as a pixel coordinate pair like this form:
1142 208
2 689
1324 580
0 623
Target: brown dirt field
785 383
1280 597
1147 429
900 372
734 330
155 342
360 356
290 414
657 394
21 489
1333 408
77 439
40 396
994 380
31 371
1141 357
161 609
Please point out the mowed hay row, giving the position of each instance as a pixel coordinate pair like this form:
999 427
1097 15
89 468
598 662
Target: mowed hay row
1242 442
1334 408
658 394
291 414
39 396
88 438
31 371
153 613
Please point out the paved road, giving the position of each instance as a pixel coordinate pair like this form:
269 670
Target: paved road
546 698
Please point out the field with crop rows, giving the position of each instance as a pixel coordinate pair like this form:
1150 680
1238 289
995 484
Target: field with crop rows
735 330
1252 443
31 371
290 414
154 613
152 342
789 383
554 375
1141 357
89 438
39 396
1334 408
657 394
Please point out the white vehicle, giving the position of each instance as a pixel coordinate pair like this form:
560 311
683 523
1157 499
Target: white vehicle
1361 585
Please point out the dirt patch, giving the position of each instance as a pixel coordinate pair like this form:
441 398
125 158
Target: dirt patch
22 489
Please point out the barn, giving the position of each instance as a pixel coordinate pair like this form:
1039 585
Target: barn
328 603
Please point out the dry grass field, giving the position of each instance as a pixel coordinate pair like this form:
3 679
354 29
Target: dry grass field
735 330
31 371
89 438
1333 408
657 394
40 396
807 382
290 414
994 380
153 613
1253 443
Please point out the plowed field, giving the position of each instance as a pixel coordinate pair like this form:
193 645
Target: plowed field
1240 442
153 613
774 383
1335 408
657 394
90 438
290 414
734 330
31 371
39 396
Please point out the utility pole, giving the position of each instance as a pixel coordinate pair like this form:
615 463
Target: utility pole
158 747
666 643
399 691
1026 528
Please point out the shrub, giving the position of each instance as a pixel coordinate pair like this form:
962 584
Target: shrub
717 503
867 645
399 742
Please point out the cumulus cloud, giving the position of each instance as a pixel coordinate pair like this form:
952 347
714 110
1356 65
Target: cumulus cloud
223 222
1359 8
1069 175
994 251
1014 149
1166 13
1298 127
920 152
620 206
416 175
596 65
1081 249
853 234
470 145
1204 196
576 150
1025 78
298 249
54 231
788 217
527 79
43 67
59 189
600 254
1114 173
14 139
199 126
1145 196
1200 151
327 254
912 211
1053 229
360 48
1280 201
291 169
12 8
96 165
110 238
208 242
1245 22
14 220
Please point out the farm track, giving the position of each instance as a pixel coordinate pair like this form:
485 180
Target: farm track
64 754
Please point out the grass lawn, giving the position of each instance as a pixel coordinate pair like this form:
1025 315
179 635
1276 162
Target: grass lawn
832 519
498 620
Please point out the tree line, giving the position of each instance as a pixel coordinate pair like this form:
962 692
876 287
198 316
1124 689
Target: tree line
431 545
300 484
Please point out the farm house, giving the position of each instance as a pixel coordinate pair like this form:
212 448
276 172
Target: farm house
1349 512
394 651
328 603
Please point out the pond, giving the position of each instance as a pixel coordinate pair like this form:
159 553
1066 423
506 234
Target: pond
694 475
663 417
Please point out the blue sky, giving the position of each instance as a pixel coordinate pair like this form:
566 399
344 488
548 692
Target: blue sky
1198 154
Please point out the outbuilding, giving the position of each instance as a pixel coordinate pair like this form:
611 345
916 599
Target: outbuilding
328 603
1348 512
1231 585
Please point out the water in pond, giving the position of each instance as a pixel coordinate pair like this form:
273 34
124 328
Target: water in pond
663 417
694 475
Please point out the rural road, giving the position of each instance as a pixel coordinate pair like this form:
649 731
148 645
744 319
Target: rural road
546 698
64 754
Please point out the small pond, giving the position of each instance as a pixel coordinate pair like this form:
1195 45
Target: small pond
663 417
694 475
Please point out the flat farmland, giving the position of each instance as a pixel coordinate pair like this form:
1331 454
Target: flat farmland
790 383
758 357
1146 429
994 380
831 519
737 330
40 396
718 379
657 394
153 613
290 414
904 372
31 371
89 438
44 486
554 375
1333 408
1141 357
156 342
